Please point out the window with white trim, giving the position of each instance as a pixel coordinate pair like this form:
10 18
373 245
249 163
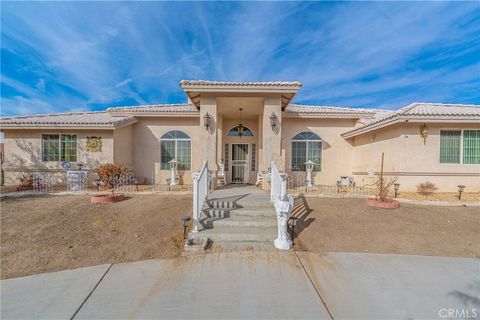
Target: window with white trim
306 146
175 145
59 147
460 146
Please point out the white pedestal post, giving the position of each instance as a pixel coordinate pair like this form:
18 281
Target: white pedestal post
173 171
309 166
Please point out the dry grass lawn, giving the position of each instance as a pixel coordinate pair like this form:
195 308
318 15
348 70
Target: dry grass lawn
348 225
51 233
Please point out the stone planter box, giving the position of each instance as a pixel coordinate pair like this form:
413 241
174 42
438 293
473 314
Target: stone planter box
107 198
388 204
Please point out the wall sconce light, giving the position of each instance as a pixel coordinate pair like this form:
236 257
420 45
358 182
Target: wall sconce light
207 119
273 121
424 133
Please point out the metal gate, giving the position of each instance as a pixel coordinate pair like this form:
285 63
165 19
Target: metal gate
240 163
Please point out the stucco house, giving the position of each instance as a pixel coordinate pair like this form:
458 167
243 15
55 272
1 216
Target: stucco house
245 126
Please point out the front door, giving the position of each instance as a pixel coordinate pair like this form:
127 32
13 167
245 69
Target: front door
240 163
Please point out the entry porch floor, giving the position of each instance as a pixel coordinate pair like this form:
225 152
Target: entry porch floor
239 214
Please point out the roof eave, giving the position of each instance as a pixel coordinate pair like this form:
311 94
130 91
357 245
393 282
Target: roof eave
29 126
416 119
155 113
323 115
287 92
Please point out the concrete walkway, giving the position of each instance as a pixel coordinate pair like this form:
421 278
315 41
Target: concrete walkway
266 285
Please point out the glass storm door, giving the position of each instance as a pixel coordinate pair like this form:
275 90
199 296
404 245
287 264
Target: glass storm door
240 163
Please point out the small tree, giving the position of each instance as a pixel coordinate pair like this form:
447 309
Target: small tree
383 188
426 188
108 173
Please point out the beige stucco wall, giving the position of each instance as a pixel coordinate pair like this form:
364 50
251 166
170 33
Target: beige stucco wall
23 151
146 146
337 153
412 161
123 146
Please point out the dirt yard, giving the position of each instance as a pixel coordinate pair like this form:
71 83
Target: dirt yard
51 233
348 225
442 196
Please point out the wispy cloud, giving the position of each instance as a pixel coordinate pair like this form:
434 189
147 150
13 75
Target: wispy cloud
67 56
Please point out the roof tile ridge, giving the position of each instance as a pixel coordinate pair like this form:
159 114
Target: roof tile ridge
52 114
331 107
438 104
152 105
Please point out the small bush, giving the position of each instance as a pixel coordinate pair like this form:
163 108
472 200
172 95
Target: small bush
383 188
426 188
108 173
26 182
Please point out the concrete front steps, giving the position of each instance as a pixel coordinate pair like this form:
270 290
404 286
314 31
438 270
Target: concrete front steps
228 221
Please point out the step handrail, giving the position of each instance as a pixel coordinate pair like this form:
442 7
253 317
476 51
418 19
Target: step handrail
200 193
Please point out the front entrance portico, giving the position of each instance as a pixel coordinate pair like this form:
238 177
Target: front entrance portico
261 104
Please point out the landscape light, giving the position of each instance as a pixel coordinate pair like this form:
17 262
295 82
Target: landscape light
293 223
460 190
185 220
396 186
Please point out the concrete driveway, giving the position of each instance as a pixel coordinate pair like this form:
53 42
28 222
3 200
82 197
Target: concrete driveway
266 285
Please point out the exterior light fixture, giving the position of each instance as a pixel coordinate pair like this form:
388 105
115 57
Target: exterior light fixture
273 121
185 220
424 133
207 120
396 187
460 190
98 183
240 126
339 184
293 223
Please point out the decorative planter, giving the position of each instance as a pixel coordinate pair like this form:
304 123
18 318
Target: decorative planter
107 198
387 204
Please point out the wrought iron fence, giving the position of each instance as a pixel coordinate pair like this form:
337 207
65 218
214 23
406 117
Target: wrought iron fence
77 180
159 184
333 190
43 181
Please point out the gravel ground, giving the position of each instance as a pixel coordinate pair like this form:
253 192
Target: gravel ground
51 233
348 225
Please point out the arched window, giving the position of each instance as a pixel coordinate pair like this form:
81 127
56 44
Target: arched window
240 131
306 146
176 145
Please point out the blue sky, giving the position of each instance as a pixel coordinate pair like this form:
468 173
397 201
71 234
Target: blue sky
73 56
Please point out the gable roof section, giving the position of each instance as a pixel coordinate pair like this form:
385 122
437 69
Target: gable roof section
296 110
194 88
79 120
187 83
420 112
183 109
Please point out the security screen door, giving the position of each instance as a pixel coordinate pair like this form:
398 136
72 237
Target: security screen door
240 171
